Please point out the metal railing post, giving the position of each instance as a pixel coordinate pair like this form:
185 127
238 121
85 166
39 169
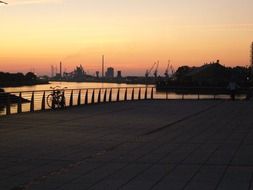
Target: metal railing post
8 105
125 98
139 96
43 101
64 99
99 96
133 94
32 103
105 95
86 97
183 97
152 94
110 96
79 98
146 93
118 94
71 98
93 97
20 103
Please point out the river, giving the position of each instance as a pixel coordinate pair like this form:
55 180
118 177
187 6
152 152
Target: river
39 90
128 94
70 85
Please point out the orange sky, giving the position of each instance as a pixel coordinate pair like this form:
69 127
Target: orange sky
132 34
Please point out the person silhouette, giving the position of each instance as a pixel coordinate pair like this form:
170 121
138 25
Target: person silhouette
232 87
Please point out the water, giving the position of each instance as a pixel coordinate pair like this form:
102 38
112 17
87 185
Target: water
70 85
129 94
38 96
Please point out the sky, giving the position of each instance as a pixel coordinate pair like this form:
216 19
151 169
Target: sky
132 34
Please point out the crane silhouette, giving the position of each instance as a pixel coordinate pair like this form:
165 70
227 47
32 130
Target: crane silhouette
3 2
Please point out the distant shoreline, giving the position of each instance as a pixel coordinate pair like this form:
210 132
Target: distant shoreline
2 85
109 82
20 79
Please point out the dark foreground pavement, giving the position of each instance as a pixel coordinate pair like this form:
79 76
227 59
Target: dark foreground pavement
135 145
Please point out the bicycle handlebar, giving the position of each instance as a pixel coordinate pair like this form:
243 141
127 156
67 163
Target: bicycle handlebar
58 88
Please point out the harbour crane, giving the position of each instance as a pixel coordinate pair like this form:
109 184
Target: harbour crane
156 69
167 70
3 2
149 70
172 70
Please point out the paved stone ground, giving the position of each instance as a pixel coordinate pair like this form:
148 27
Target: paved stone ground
171 145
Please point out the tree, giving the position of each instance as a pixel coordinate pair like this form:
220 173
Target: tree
30 76
181 74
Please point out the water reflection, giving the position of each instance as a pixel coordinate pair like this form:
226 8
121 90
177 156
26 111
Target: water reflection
70 85
27 93
134 92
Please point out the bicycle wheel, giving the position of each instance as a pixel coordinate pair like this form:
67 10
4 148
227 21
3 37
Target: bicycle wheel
50 99
62 102
57 103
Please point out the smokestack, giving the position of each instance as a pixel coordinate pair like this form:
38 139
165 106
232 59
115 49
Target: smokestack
103 66
52 71
60 69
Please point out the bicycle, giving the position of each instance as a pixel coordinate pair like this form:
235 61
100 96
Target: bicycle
56 99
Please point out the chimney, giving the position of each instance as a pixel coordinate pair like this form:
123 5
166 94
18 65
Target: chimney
103 66
60 69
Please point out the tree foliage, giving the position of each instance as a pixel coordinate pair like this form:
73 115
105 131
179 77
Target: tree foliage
17 79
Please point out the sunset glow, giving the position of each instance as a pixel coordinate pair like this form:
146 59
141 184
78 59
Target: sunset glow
132 34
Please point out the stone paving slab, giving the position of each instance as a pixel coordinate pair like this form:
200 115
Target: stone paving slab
187 145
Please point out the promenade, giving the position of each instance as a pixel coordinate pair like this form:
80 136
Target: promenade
174 145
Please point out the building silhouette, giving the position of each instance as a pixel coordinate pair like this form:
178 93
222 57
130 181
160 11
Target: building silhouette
97 74
109 73
119 74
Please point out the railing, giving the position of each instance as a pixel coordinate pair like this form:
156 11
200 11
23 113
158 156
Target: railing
31 101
